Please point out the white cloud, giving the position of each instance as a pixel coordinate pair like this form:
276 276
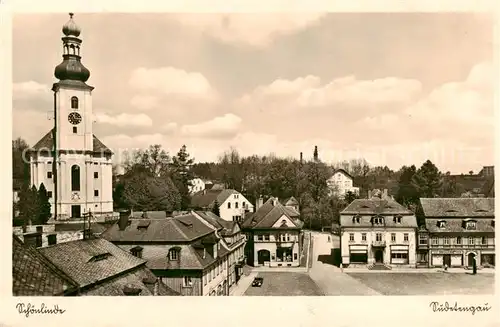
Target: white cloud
249 29
169 127
29 89
144 102
171 81
284 95
124 119
223 126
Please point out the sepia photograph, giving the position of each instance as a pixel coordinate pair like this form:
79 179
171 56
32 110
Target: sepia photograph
253 154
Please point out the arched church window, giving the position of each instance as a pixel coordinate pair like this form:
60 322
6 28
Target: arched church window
75 178
74 103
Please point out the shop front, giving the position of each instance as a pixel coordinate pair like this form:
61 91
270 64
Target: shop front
450 258
358 254
399 254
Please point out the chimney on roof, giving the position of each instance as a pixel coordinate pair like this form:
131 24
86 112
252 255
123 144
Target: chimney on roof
259 203
123 221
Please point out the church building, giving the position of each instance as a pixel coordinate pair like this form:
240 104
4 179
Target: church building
72 163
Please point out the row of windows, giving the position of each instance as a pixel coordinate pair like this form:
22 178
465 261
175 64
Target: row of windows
281 237
378 237
236 205
96 174
49 193
215 271
455 240
50 163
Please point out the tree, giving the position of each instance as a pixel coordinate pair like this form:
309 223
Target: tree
232 174
182 175
20 163
407 193
28 205
148 193
215 209
153 160
315 154
349 197
427 180
43 205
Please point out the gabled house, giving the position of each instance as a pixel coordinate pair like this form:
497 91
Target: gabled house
186 252
459 231
341 182
100 268
232 204
378 232
273 238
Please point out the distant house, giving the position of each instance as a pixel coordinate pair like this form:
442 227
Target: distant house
197 185
232 204
378 232
273 236
458 231
474 185
193 254
341 182
84 267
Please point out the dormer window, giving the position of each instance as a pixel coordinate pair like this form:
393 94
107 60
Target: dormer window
378 220
188 281
136 251
100 257
143 225
397 219
173 254
441 224
469 224
356 219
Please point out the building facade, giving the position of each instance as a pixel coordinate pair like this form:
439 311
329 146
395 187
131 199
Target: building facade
273 237
232 204
378 231
187 252
458 231
82 167
341 182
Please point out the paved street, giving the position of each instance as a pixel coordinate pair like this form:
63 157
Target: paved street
285 284
328 277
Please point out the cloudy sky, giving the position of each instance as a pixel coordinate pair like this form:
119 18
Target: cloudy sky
392 88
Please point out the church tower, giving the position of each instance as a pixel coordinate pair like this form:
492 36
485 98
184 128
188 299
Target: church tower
70 161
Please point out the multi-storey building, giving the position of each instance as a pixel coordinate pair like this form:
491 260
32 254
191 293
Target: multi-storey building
379 231
458 230
341 182
188 252
232 204
79 178
273 236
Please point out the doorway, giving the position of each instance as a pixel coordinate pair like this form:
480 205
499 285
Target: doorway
447 260
263 256
470 259
76 211
379 256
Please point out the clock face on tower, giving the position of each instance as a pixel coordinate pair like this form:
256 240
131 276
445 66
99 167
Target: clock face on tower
74 118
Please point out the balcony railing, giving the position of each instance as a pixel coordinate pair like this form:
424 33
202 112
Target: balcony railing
378 243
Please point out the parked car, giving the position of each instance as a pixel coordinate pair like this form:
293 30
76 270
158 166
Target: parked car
257 282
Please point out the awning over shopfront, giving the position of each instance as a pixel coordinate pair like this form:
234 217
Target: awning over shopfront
399 248
358 249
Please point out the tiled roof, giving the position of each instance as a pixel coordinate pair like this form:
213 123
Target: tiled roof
148 214
385 206
407 221
47 142
206 198
455 225
34 275
79 260
141 278
458 207
225 226
173 229
267 215
291 211
341 171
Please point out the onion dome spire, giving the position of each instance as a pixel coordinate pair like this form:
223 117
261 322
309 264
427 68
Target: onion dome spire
71 68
